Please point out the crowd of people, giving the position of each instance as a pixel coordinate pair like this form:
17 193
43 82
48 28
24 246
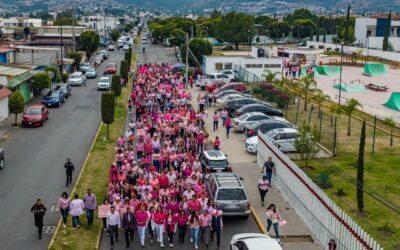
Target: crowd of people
293 69
156 186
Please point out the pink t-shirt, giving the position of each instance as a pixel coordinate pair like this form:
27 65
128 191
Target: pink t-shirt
141 218
204 220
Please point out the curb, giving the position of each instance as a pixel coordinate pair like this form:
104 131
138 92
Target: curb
77 180
258 220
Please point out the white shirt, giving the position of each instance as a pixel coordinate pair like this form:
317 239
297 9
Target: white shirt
113 219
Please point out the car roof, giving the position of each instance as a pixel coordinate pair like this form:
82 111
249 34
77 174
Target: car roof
230 180
256 113
214 154
286 130
36 106
253 105
77 73
105 77
112 64
240 98
261 243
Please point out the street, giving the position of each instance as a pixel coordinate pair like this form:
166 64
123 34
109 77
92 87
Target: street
35 160
232 225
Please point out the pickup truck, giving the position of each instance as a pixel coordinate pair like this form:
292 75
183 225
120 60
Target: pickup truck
111 68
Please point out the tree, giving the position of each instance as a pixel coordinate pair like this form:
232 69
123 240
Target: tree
279 29
128 56
90 41
107 109
16 104
301 14
306 143
116 87
115 35
123 70
235 28
41 80
305 27
319 97
198 47
128 27
306 84
348 35
269 76
55 71
385 44
177 37
335 111
63 19
391 123
349 108
360 170
76 56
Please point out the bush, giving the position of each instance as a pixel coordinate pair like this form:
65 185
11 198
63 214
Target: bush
41 80
323 180
269 94
281 100
16 104
55 71
64 77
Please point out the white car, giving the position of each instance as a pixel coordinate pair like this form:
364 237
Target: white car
222 100
254 241
231 73
218 77
126 47
240 122
111 47
282 138
77 79
104 83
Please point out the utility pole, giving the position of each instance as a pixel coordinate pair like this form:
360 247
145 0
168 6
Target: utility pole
73 30
62 56
187 61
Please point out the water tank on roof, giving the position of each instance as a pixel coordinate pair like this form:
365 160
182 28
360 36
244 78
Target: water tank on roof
260 52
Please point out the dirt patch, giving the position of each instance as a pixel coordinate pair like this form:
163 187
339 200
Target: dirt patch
362 214
386 233
308 169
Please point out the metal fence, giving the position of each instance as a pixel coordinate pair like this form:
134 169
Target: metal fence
321 215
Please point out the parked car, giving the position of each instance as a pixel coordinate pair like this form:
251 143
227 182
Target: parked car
91 73
227 47
282 138
258 107
77 79
66 88
240 122
229 92
126 47
212 77
54 98
213 85
84 66
214 161
111 68
266 125
234 104
231 73
144 40
104 83
111 47
104 53
228 193
222 100
238 86
254 241
35 115
2 159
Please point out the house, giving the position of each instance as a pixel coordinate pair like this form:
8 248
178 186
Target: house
4 94
18 79
6 55
20 22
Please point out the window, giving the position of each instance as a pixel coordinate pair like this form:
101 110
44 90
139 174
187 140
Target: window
272 65
255 66
231 195
248 66
219 66
228 66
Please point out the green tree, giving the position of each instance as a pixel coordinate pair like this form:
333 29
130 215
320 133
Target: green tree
360 170
301 14
76 56
128 55
235 28
334 110
305 27
348 34
385 44
115 35
90 41
279 29
319 97
123 70
198 47
306 143
269 76
177 37
41 80
391 123
107 109
55 70
16 104
349 108
64 77
116 86
128 27
307 84
63 19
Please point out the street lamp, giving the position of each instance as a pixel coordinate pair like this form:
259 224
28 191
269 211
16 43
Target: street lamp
341 72
283 52
248 41
367 47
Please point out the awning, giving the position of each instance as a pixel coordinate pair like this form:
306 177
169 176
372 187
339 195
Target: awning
14 82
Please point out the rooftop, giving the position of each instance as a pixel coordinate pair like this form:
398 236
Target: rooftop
11 72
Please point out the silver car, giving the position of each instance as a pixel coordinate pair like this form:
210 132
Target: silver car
240 122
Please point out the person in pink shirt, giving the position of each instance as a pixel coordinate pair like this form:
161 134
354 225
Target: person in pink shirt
205 221
63 205
194 205
159 221
215 120
182 220
173 205
141 218
170 224
76 210
200 141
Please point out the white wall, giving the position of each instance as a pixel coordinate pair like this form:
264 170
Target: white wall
393 56
41 58
360 30
3 109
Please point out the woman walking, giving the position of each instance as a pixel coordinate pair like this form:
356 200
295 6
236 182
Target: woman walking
224 115
263 185
63 205
273 218
228 124
171 225
141 219
76 210
182 225
194 224
205 221
216 226
215 121
159 221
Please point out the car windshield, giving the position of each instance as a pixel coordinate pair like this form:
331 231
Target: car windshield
91 70
270 134
54 94
104 80
85 64
112 65
34 111
243 117
231 194
75 76
217 163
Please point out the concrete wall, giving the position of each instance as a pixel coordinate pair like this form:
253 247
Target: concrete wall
39 58
393 56
3 109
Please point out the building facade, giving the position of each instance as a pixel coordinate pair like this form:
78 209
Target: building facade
20 22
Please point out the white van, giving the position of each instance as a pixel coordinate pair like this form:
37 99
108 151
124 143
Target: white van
144 40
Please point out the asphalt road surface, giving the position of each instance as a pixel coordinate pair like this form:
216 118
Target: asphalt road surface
232 225
35 160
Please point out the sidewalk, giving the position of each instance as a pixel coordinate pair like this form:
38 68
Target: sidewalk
295 234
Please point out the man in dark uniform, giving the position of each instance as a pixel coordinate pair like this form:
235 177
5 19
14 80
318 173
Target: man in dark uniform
269 168
38 211
69 168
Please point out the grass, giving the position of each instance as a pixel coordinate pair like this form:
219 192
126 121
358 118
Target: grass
95 176
381 177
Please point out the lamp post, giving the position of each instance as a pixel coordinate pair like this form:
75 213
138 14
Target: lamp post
283 53
248 41
366 60
337 35
341 73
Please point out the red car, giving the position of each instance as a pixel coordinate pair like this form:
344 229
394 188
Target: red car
238 86
35 115
218 84
111 68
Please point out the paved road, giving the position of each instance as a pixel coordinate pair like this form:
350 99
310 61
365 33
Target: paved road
232 226
35 159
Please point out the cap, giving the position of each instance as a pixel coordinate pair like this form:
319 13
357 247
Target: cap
118 198
126 198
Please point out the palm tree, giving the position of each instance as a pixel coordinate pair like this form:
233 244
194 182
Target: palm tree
319 97
391 123
348 108
306 84
335 111
269 76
